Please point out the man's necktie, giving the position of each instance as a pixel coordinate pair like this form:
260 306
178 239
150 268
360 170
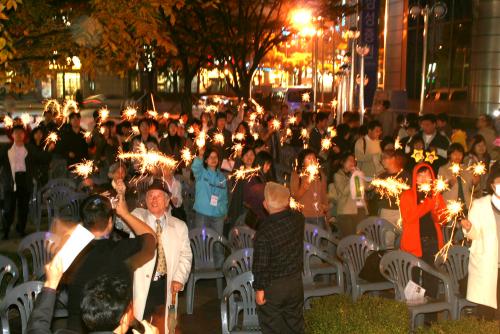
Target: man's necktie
161 262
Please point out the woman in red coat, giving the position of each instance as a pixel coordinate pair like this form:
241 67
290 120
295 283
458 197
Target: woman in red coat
422 216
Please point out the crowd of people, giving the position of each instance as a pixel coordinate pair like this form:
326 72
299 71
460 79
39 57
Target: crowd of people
327 170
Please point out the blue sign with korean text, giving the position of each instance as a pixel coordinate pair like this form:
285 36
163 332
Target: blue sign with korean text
369 36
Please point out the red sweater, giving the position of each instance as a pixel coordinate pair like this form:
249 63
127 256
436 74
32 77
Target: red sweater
411 212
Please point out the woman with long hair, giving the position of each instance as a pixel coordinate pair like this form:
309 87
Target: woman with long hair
478 153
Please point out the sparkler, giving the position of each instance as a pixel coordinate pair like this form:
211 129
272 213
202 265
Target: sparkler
425 188
304 134
166 115
453 212
478 169
218 138
252 117
418 155
52 138
292 120
26 119
276 124
239 136
237 148
186 156
332 131
397 144
201 139
306 97
391 187
148 160
455 169
255 135
152 113
326 144
87 134
440 185
103 114
54 106
294 205
83 169
311 171
211 109
258 108
69 107
190 129
8 121
244 173
129 113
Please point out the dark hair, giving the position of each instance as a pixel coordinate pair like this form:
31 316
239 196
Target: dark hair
413 125
246 126
386 141
18 127
121 125
400 118
339 163
374 124
258 143
476 140
95 212
456 147
74 114
443 117
105 300
247 149
398 155
343 130
95 114
386 104
261 159
428 117
220 115
207 153
321 117
300 160
487 118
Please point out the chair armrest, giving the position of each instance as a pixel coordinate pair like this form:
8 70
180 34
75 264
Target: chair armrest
336 263
224 314
448 285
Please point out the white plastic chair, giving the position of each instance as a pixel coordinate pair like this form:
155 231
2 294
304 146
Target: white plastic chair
377 230
38 247
318 289
22 298
9 274
353 250
203 241
241 285
241 237
398 266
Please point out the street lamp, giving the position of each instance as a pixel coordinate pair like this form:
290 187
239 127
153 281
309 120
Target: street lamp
439 10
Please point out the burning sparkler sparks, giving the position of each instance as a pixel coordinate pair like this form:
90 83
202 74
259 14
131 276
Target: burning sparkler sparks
306 97
201 139
87 135
453 212
455 169
425 188
103 114
276 124
53 106
294 205
83 169
26 119
148 160
69 107
186 156
152 113
239 136
52 138
332 131
478 169
311 171
8 122
218 138
390 187
129 113
244 173
326 144
304 134
440 185
292 120
237 148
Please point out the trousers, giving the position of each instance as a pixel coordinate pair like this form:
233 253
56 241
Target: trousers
17 201
283 311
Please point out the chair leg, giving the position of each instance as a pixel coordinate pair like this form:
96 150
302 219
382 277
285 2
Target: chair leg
190 295
219 288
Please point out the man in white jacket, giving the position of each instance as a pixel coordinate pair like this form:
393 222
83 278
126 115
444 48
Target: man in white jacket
483 228
166 274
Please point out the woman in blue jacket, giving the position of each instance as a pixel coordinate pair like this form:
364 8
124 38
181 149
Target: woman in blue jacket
211 198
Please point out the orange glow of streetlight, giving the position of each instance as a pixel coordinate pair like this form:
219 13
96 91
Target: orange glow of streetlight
302 20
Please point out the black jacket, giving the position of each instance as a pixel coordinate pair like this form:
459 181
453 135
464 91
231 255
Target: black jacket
72 142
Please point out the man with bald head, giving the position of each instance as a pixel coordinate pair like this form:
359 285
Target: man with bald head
278 262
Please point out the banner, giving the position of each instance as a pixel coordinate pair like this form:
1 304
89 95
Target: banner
370 10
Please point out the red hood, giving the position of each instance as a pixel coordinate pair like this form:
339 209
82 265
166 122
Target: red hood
415 172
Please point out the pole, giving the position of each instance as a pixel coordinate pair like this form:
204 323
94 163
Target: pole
353 78
424 59
322 67
362 90
315 70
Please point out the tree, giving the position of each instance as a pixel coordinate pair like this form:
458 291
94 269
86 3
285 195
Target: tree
246 31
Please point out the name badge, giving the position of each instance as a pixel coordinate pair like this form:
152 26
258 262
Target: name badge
214 200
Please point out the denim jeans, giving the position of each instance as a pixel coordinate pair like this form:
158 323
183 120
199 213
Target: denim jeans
216 224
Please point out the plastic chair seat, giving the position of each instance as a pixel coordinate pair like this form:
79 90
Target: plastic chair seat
322 269
365 286
208 273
